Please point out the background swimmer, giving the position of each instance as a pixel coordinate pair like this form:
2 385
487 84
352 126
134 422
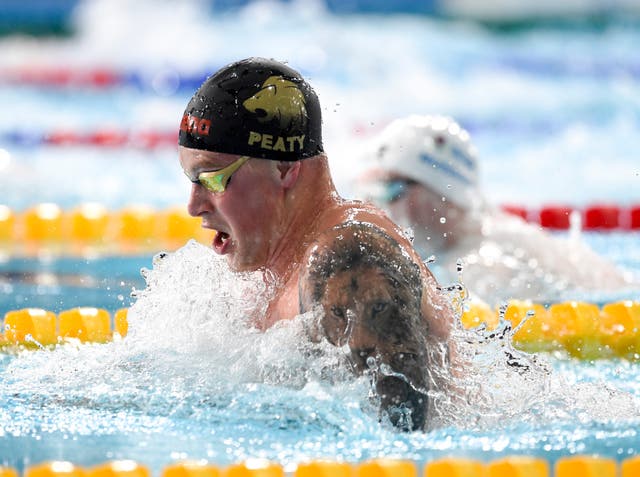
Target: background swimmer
424 171
275 209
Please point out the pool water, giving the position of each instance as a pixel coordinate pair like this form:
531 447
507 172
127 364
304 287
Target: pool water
191 380
66 282
554 112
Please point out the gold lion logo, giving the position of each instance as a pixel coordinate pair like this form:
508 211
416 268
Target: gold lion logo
279 99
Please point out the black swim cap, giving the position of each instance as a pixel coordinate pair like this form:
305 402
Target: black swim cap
254 107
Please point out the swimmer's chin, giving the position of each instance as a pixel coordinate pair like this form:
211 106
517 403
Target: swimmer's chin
238 266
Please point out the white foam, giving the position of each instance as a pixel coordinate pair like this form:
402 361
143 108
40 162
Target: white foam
191 341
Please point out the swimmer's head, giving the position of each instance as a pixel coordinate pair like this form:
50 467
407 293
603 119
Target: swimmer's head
433 151
255 107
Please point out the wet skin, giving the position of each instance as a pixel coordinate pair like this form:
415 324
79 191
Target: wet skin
371 302
237 215
287 220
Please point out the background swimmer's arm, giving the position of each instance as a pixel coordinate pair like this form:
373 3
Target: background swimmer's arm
368 291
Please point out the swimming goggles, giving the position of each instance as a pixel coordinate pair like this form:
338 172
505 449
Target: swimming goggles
392 190
216 181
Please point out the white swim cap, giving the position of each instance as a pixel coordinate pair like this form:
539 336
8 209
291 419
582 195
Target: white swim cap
434 151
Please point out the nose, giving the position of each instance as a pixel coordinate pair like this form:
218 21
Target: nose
198 201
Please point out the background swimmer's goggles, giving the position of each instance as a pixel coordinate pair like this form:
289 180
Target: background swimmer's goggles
216 181
392 190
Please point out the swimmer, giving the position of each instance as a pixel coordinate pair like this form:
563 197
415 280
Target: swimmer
424 171
251 143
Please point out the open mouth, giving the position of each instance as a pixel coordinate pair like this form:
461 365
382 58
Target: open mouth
221 242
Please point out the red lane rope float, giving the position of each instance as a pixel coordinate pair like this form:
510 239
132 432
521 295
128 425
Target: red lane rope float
602 216
120 138
101 138
592 217
105 77
555 217
165 81
59 76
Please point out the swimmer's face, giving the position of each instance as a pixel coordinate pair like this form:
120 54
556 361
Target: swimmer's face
245 216
425 211
412 204
425 208
365 311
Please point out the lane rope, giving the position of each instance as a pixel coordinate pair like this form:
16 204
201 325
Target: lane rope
169 80
567 465
67 231
576 329
91 229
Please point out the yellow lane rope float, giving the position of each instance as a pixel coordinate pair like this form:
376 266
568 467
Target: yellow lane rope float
91 229
582 330
509 466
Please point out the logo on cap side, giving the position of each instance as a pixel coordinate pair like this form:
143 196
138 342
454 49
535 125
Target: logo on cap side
194 125
279 99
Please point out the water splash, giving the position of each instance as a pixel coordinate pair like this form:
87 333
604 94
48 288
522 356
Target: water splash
193 366
190 337
496 385
489 384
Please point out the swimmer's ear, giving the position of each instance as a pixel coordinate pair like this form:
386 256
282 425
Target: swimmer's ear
288 173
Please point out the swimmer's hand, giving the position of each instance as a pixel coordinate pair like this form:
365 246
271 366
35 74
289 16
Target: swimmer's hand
404 404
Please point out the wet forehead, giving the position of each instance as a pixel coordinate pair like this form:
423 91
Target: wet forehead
197 160
382 175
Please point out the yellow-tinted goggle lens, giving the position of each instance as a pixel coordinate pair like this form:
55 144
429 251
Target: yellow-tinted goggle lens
216 181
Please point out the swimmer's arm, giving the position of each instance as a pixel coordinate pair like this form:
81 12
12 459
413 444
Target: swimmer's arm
376 311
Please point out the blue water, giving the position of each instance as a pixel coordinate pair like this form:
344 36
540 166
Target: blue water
64 282
67 282
555 113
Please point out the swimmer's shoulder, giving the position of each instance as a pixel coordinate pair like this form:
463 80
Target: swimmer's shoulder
348 240
343 229
363 221
355 214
